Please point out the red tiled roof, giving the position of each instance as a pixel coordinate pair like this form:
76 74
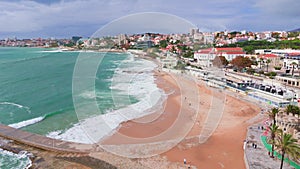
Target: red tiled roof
229 49
205 51
294 54
268 56
235 52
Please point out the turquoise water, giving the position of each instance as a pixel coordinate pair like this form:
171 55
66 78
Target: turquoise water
38 84
9 160
36 89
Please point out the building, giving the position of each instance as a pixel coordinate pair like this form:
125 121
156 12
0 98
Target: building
274 60
288 80
194 31
230 53
289 123
208 38
169 61
278 52
205 57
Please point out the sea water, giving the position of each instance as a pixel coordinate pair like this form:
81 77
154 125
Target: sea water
36 91
9 160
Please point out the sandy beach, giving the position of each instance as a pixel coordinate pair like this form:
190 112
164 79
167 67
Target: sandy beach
183 118
224 149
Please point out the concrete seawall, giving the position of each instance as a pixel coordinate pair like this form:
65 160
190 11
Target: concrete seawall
42 142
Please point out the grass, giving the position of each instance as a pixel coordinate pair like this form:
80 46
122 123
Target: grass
278 155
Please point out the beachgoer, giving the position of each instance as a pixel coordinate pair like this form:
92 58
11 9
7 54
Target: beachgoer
184 161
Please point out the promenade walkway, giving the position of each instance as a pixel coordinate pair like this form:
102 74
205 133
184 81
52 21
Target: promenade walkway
43 142
258 157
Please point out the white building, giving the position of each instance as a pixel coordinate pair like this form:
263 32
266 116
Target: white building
169 61
205 57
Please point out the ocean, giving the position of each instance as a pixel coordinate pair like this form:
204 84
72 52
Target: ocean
36 93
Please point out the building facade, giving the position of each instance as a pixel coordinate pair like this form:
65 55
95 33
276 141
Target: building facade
205 57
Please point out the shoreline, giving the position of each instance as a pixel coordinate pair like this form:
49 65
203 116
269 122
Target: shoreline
234 120
114 119
186 149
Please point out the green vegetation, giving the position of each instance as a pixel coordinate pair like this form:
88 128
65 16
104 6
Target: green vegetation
287 146
268 61
273 130
250 71
277 67
163 43
180 65
71 44
271 74
273 113
269 148
241 62
282 141
250 46
293 68
293 34
292 109
53 45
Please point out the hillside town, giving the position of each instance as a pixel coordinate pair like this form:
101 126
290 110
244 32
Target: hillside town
264 66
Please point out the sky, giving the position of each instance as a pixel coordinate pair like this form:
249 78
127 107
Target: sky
66 18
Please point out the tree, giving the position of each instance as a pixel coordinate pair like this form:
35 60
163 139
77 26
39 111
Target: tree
163 43
268 61
293 64
241 62
261 60
273 113
292 109
273 131
220 61
287 145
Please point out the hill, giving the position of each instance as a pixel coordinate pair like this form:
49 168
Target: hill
295 30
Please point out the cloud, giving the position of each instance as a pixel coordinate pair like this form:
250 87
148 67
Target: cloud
83 17
146 22
279 8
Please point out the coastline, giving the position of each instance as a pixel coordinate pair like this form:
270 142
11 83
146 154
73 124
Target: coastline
186 149
234 123
144 73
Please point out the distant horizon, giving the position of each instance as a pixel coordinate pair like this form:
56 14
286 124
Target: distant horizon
54 37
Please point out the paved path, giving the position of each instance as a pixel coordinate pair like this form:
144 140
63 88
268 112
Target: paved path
43 142
258 157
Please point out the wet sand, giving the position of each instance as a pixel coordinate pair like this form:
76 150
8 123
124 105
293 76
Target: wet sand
224 149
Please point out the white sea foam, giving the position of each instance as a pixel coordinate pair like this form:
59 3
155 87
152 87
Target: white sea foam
51 51
17 105
133 78
26 122
10 159
88 95
14 104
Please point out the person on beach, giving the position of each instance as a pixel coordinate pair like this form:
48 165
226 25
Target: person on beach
184 161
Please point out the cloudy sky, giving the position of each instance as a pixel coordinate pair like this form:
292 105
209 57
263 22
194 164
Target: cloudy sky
65 18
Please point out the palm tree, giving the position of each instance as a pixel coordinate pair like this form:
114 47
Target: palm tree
292 109
287 145
267 62
261 60
273 132
273 113
293 64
